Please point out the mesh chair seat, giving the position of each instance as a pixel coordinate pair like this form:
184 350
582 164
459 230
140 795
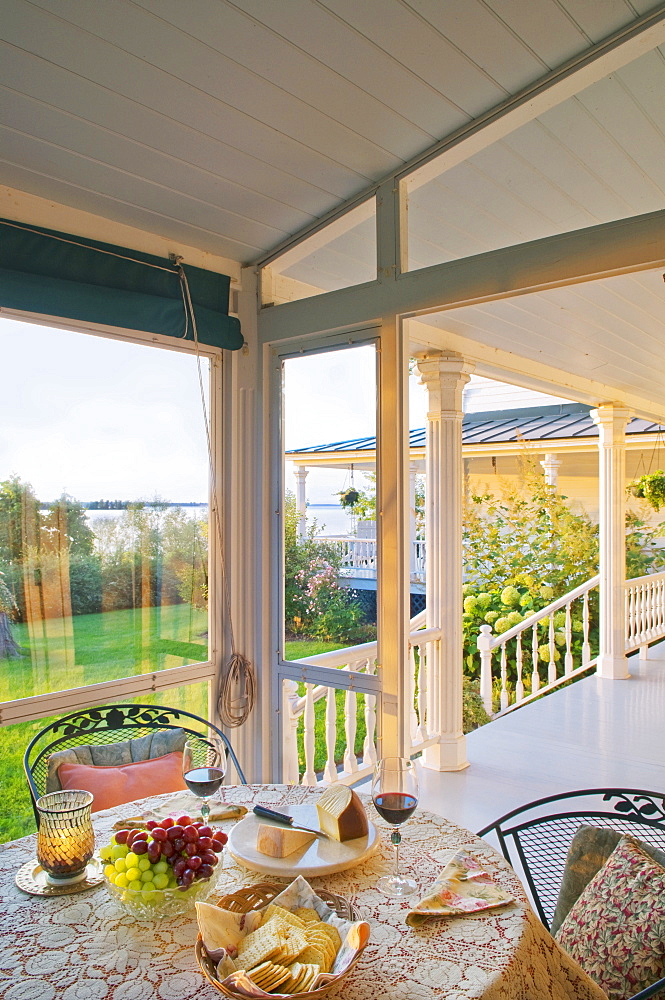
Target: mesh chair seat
111 724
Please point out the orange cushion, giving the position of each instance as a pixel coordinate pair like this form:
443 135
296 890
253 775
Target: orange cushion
111 786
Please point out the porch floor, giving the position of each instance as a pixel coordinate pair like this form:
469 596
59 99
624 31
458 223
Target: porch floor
595 733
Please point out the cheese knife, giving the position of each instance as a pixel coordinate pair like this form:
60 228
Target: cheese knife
285 820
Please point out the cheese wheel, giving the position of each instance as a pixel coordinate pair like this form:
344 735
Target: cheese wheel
280 841
341 813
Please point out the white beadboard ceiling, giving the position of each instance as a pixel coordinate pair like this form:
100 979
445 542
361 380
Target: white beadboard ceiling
231 125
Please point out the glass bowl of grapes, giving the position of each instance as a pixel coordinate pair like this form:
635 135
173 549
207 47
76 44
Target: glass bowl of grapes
160 871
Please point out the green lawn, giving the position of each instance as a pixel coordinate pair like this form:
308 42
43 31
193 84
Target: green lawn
86 650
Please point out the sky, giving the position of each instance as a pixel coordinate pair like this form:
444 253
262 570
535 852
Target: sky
98 418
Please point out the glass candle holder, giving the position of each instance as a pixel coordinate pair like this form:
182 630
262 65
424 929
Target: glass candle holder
65 838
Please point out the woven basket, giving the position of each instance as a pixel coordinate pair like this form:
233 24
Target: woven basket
255 897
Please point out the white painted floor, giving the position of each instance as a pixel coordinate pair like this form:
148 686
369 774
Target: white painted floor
595 733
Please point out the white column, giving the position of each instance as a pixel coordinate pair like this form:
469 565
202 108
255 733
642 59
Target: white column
611 421
413 469
551 466
444 377
300 473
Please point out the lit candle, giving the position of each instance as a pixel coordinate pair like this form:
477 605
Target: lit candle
65 839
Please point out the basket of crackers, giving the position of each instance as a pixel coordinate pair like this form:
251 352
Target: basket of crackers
267 940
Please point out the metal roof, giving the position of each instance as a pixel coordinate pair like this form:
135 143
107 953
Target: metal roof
543 423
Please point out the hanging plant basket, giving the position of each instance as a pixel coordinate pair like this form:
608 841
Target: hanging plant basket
650 487
349 498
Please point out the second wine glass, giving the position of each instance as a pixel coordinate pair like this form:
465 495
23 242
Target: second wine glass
395 796
203 769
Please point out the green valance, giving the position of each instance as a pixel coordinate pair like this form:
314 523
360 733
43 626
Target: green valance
43 271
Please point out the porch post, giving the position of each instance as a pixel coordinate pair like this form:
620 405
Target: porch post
413 469
611 421
551 466
300 473
444 377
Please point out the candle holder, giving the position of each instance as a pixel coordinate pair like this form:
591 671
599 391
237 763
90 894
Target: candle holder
65 838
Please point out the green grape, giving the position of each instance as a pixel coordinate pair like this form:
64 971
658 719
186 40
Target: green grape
133 874
109 871
131 859
135 885
161 880
143 863
151 896
146 876
120 865
121 880
148 887
106 853
160 867
119 851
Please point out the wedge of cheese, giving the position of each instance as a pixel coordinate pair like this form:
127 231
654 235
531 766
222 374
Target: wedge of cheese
280 841
341 813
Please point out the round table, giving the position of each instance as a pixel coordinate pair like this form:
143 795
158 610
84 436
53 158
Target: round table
81 947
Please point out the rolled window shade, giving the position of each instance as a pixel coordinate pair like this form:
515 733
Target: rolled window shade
57 274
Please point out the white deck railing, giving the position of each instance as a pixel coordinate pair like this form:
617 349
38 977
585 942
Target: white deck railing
361 554
361 660
645 611
536 627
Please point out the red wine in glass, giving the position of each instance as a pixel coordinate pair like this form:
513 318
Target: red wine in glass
204 781
395 807
395 797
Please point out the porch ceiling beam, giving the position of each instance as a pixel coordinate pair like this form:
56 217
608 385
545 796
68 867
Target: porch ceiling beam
620 247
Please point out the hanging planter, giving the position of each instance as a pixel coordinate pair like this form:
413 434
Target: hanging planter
650 487
349 498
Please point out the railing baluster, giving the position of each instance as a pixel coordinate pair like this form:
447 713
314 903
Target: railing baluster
484 643
505 701
568 663
309 777
350 724
423 663
413 718
535 676
551 666
369 746
586 645
330 771
290 769
519 686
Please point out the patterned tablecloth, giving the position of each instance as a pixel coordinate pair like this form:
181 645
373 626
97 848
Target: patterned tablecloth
80 947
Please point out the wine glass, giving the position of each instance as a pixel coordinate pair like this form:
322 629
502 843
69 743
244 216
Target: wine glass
395 796
203 769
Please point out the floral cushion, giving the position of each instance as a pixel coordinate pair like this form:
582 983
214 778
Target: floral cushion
155 744
616 929
112 786
589 850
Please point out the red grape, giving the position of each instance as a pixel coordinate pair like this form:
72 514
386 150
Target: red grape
140 847
205 843
190 833
191 849
218 841
168 850
208 858
154 852
159 834
141 835
205 871
195 862
205 831
167 823
173 832
121 836
131 836
183 820
179 866
187 876
179 844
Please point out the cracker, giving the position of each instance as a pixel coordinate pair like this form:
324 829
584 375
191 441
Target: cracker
274 910
331 931
308 914
269 976
259 946
295 941
312 956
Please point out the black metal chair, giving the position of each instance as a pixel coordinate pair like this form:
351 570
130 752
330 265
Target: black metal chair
107 725
535 838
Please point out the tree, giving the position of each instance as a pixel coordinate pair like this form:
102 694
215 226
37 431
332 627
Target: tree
9 648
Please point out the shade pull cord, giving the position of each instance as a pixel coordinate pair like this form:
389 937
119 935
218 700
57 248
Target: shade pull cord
237 687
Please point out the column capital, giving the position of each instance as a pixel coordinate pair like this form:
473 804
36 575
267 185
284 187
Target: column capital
444 376
611 417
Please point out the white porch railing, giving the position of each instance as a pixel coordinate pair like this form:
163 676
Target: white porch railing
532 655
359 660
645 611
361 554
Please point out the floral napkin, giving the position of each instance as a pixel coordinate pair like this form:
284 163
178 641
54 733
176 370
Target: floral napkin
462 887
182 803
